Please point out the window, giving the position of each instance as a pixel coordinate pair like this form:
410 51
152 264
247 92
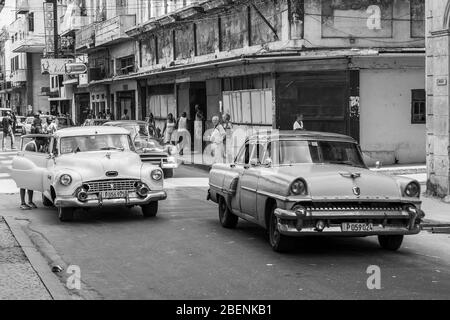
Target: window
31 21
244 155
419 110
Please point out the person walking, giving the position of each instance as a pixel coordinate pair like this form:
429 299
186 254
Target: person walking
14 122
183 133
7 131
228 127
217 137
169 128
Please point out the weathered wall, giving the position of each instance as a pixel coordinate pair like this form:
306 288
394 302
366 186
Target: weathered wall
327 23
438 122
39 80
387 134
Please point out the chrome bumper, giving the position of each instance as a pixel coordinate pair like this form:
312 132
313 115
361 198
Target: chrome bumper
71 201
169 166
290 223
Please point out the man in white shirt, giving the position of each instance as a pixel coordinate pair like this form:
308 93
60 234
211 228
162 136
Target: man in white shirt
298 124
217 137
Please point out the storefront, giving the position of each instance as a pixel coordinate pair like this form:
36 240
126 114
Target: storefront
124 97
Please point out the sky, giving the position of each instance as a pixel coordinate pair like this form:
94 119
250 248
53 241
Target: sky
7 15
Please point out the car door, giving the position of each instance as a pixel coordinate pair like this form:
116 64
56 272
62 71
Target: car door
242 158
249 179
30 164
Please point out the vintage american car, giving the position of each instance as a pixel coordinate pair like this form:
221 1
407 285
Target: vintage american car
313 184
87 167
149 147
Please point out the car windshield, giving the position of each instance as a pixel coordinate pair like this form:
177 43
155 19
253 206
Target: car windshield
120 142
289 152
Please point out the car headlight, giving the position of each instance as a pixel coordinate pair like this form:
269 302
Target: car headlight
298 188
65 180
172 150
157 175
412 190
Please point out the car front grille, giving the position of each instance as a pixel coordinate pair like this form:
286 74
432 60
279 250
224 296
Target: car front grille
342 207
154 159
111 185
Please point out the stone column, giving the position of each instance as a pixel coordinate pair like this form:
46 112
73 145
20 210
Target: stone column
438 103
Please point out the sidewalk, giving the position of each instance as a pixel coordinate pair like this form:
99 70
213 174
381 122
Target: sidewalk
18 279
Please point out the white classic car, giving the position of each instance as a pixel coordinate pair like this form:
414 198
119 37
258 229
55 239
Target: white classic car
303 183
88 167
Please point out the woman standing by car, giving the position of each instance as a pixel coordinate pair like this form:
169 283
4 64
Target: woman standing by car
169 128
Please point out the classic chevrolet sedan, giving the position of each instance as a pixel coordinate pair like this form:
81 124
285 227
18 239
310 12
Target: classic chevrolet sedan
313 184
87 167
149 147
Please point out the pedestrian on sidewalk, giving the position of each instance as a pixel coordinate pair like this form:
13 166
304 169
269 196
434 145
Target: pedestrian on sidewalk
30 205
169 129
7 131
216 139
183 134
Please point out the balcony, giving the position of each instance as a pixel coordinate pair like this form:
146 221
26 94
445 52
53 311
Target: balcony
85 38
18 76
23 6
72 23
24 40
113 30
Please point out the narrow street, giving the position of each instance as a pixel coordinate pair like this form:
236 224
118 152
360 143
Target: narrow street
185 254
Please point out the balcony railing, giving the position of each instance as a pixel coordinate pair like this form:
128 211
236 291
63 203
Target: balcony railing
85 37
19 75
23 40
113 30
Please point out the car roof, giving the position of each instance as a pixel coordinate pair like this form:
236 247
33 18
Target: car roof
301 135
122 122
89 131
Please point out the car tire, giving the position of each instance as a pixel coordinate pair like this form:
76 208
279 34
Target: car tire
150 210
227 218
168 173
65 214
278 242
46 202
391 243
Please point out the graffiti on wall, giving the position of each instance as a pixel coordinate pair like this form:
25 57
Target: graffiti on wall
351 18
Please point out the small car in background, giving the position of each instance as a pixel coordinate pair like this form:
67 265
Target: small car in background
87 168
298 184
150 148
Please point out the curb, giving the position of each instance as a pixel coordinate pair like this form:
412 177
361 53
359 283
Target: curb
38 263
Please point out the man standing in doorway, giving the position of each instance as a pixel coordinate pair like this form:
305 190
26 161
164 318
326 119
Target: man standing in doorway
125 115
298 124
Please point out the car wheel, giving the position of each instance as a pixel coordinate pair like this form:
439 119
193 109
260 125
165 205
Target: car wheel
65 214
168 173
278 241
150 210
227 218
46 202
391 243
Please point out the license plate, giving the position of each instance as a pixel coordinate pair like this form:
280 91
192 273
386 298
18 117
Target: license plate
357 227
114 194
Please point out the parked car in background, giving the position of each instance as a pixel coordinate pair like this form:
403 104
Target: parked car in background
88 167
20 124
94 122
63 123
298 184
150 148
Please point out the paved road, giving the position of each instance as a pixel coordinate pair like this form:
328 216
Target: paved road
185 254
